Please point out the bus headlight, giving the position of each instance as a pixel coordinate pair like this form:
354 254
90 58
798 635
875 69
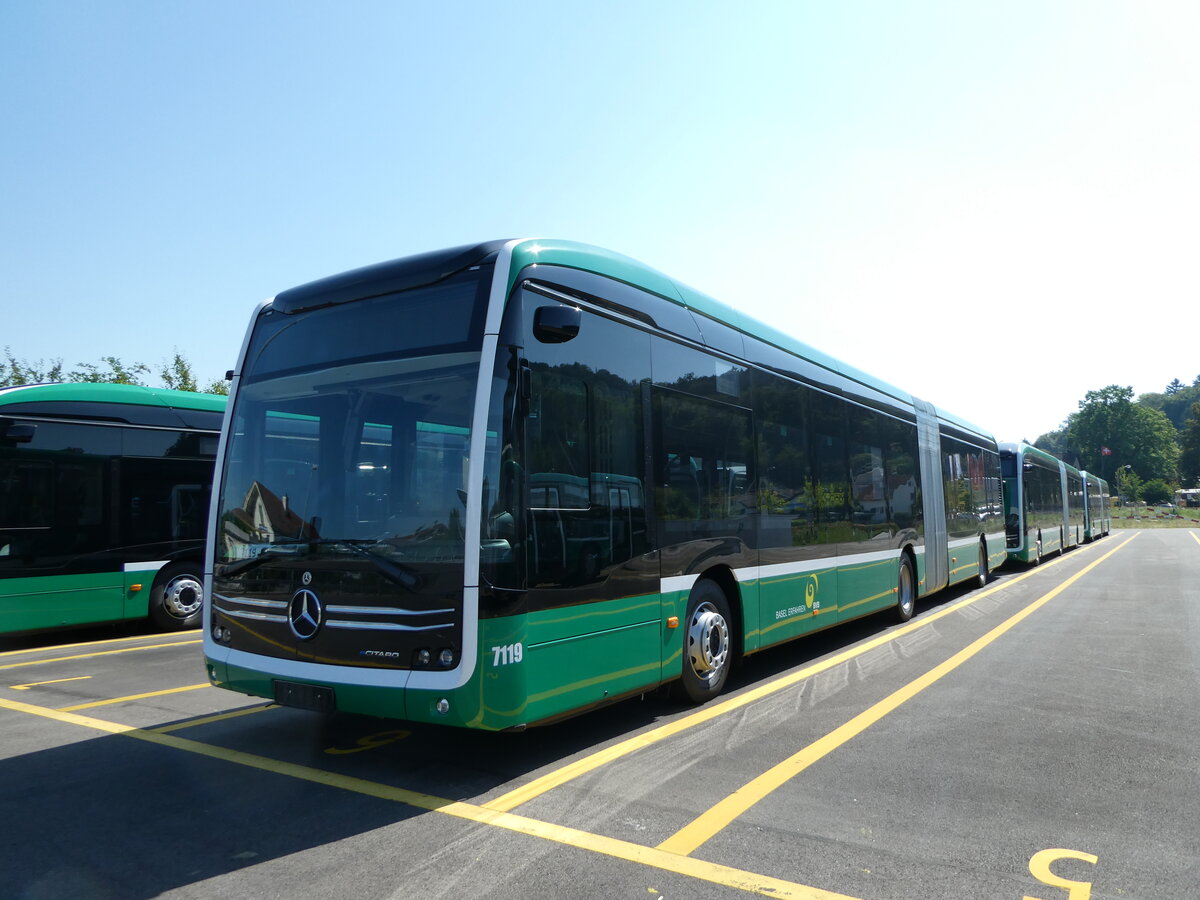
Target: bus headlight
446 657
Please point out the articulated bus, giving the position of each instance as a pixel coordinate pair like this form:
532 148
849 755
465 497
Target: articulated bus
1045 510
104 497
500 484
1097 507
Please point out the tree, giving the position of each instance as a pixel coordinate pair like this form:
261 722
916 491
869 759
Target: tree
1134 435
1189 458
1129 486
1174 402
16 371
177 374
118 372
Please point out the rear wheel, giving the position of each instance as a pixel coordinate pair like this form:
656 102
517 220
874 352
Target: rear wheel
177 596
906 590
707 643
983 565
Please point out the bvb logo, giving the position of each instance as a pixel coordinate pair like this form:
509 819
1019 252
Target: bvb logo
810 593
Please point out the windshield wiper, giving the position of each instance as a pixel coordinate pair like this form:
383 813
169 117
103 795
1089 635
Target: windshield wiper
405 576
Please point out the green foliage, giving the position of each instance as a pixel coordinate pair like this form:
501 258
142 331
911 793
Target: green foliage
17 371
1135 435
117 373
1129 486
1156 491
1174 402
176 374
1189 457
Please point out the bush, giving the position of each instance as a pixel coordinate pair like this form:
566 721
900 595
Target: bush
1156 492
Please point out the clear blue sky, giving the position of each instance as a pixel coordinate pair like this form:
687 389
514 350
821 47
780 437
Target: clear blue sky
936 192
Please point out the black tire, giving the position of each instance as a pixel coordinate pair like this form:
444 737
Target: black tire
176 597
707 643
906 590
983 565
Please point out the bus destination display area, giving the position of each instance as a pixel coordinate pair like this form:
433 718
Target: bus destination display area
1035 737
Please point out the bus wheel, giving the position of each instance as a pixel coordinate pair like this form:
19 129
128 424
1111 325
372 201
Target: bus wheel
983 569
906 590
177 596
707 643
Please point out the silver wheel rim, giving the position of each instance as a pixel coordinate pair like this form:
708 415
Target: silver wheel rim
907 596
182 596
708 642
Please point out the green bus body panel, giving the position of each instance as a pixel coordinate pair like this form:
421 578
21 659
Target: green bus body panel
31 604
568 665
793 605
561 670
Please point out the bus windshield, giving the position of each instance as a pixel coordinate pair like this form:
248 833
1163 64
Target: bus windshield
311 459
356 435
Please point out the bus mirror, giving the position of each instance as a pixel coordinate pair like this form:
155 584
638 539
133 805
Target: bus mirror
15 432
556 324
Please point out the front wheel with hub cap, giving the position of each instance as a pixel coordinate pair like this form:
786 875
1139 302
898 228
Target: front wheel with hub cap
177 596
982 578
906 590
707 642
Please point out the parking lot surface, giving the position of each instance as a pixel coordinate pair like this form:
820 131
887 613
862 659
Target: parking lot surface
1037 738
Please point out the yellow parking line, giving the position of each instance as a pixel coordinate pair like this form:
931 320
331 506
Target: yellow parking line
40 662
570 772
709 823
33 684
571 837
95 703
134 637
1194 536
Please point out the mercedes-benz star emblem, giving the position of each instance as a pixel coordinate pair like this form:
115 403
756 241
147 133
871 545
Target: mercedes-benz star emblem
304 614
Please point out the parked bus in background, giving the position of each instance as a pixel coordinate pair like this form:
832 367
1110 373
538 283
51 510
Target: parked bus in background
1043 503
496 485
1097 507
104 495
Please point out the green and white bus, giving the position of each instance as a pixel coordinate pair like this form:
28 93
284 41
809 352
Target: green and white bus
496 485
1044 506
104 497
1097 507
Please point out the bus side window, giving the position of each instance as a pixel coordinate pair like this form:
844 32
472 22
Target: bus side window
703 465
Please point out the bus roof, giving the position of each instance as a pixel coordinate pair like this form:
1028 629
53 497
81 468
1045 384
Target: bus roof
588 258
1022 449
87 392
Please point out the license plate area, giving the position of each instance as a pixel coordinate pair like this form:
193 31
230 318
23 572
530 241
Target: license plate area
305 696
